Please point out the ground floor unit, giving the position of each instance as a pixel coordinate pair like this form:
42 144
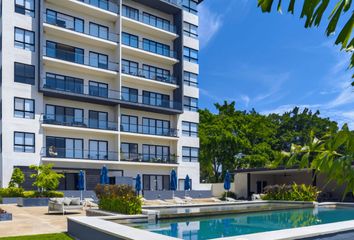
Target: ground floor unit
253 181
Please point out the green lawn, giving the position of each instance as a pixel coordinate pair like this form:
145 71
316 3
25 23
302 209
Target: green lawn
56 236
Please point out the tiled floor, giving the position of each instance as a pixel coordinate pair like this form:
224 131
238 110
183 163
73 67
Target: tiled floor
33 220
340 236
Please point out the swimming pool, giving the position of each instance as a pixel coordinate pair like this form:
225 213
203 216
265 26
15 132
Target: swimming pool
210 227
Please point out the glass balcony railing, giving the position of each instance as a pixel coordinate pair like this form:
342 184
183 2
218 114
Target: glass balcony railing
70 23
150 20
148 158
79 58
144 129
149 101
72 121
108 5
152 48
152 75
78 153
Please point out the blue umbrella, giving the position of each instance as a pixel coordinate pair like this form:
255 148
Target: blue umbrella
104 176
173 183
81 182
187 183
227 181
138 184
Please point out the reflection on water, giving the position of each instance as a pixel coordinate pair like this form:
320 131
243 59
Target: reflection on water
239 224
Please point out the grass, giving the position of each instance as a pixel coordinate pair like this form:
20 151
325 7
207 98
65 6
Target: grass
56 236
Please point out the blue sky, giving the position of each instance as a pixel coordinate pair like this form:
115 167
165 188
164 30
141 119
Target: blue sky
270 62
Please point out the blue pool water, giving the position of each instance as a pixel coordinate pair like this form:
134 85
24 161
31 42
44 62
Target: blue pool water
247 223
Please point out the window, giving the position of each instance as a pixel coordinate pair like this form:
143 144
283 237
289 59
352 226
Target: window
129 151
190 30
98 150
59 147
65 52
130 67
24 39
24 142
65 21
156 182
156 99
24 73
130 40
25 7
190 79
98 60
157 153
155 47
157 22
156 127
104 4
24 108
190 154
156 73
190 104
64 115
129 94
98 120
190 55
64 83
98 89
190 6
100 31
130 12
129 123
189 129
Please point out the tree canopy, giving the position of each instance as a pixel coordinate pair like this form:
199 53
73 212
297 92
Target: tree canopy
231 139
313 12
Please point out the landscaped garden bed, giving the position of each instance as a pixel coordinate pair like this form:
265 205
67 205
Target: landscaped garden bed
5 216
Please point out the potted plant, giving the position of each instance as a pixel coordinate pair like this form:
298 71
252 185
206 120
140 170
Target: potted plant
9 195
5 216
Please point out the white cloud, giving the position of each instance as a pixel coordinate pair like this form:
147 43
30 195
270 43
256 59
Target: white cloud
210 23
246 99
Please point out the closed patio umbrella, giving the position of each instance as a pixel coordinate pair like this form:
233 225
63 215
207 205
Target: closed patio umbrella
138 184
104 176
187 183
173 183
227 182
81 183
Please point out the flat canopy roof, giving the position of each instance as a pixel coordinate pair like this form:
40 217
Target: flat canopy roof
268 170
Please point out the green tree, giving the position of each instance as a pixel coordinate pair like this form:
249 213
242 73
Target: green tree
45 178
17 178
313 11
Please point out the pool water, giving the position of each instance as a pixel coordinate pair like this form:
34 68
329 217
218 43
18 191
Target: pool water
247 223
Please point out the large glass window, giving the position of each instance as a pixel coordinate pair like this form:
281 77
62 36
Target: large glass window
60 147
25 7
64 83
156 127
104 4
98 60
189 129
130 67
190 104
190 30
99 31
24 73
156 47
24 39
24 142
98 150
156 99
190 79
190 55
155 153
130 12
98 89
64 115
190 6
156 21
156 182
65 21
129 151
190 154
156 73
65 52
98 120
24 108
129 123
130 40
129 94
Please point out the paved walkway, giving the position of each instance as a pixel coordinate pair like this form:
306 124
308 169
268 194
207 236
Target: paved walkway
33 220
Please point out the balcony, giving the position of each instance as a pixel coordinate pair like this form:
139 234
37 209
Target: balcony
73 61
148 158
53 152
141 49
148 130
71 122
144 23
65 26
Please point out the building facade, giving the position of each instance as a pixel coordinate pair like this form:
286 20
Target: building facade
88 83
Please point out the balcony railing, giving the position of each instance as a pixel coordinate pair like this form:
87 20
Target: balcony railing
71 121
152 75
108 5
78 58
148 130
150 21
152 49
67 22
148 158
67 153
149 101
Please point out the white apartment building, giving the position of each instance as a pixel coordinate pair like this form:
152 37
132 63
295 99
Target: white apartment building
88 83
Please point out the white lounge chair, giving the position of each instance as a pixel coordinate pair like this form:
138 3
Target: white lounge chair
63 205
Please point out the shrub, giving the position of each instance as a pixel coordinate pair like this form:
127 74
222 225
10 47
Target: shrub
11 192
292 192
228 194
17 178
45 178
118 198
48 194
